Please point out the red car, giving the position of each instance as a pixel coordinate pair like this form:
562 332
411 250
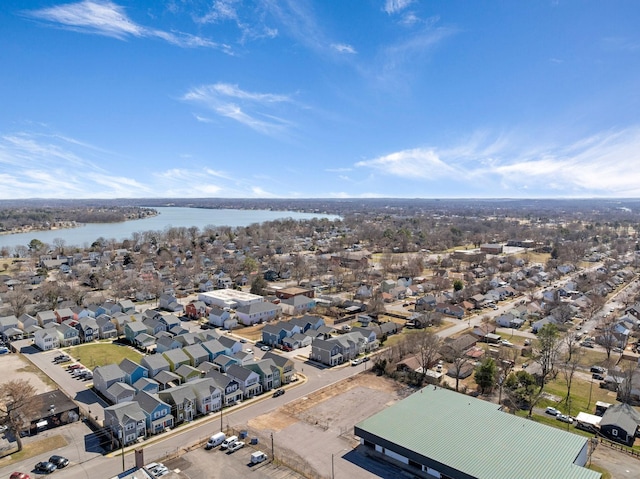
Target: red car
19 475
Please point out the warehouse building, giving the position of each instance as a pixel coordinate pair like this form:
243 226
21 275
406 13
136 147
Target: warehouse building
447 435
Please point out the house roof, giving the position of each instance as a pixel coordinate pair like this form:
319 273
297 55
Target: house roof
149 402
435 422
109 372
623 416
127 410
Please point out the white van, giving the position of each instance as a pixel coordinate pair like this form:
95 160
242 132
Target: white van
228 441
215 440
257 457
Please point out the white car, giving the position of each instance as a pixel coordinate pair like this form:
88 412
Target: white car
506 343
551 410
248 351
265 348
235 446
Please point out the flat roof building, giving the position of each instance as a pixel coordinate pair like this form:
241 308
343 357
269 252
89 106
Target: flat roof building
440 433
229 298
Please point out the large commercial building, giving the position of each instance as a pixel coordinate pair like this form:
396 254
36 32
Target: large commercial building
447 435
229 298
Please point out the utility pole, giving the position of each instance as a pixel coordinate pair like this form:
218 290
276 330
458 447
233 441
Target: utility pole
333 475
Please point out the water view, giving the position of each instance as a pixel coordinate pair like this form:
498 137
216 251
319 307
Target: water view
169 217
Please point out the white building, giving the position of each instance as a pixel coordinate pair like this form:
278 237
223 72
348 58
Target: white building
229 298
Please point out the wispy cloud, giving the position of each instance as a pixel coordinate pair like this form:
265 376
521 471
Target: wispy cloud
414 163
43 165
339 170
249 19
55 166
251 109
396 6
343 48
109 19
603 164
622 44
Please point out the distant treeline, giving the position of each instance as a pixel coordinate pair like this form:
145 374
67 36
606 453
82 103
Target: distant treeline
35 217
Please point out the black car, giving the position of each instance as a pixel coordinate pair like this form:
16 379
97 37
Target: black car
598 376
45 467
597 369
278 392
59 461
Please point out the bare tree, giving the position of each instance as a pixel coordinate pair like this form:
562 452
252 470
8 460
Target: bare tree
18 299
457 357
629 370
607 337
572 362
427 344
571 341
376 303
18 405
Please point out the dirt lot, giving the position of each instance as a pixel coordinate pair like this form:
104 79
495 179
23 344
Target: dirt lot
17 367
322 425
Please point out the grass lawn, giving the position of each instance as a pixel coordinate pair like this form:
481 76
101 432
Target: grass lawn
580 391
101 354
35 448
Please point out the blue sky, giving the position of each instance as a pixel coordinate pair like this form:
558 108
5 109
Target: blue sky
325 98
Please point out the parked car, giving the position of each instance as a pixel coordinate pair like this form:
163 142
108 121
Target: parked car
506 343
597 369
551 410
598 376
4 350
19 475
586 344
564 418
257 457
228 441
45 467
265 348
278 393
248 351
215 440
235 446
59 461
356 361
365 359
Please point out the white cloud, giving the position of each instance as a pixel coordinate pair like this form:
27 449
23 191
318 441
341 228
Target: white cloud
249 19
344 48
338 170
414 163
248 108
109 19
604 164
395 6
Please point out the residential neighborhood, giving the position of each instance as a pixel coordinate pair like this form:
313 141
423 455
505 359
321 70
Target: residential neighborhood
221 324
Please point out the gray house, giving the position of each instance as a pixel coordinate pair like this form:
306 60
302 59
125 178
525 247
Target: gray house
105 376
126 420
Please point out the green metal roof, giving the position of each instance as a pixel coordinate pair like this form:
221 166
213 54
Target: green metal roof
477 438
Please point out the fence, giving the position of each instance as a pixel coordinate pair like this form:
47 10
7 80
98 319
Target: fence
619 447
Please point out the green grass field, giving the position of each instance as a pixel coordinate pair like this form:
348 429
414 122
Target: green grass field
101 354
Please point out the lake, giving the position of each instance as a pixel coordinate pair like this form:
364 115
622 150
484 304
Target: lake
84 235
